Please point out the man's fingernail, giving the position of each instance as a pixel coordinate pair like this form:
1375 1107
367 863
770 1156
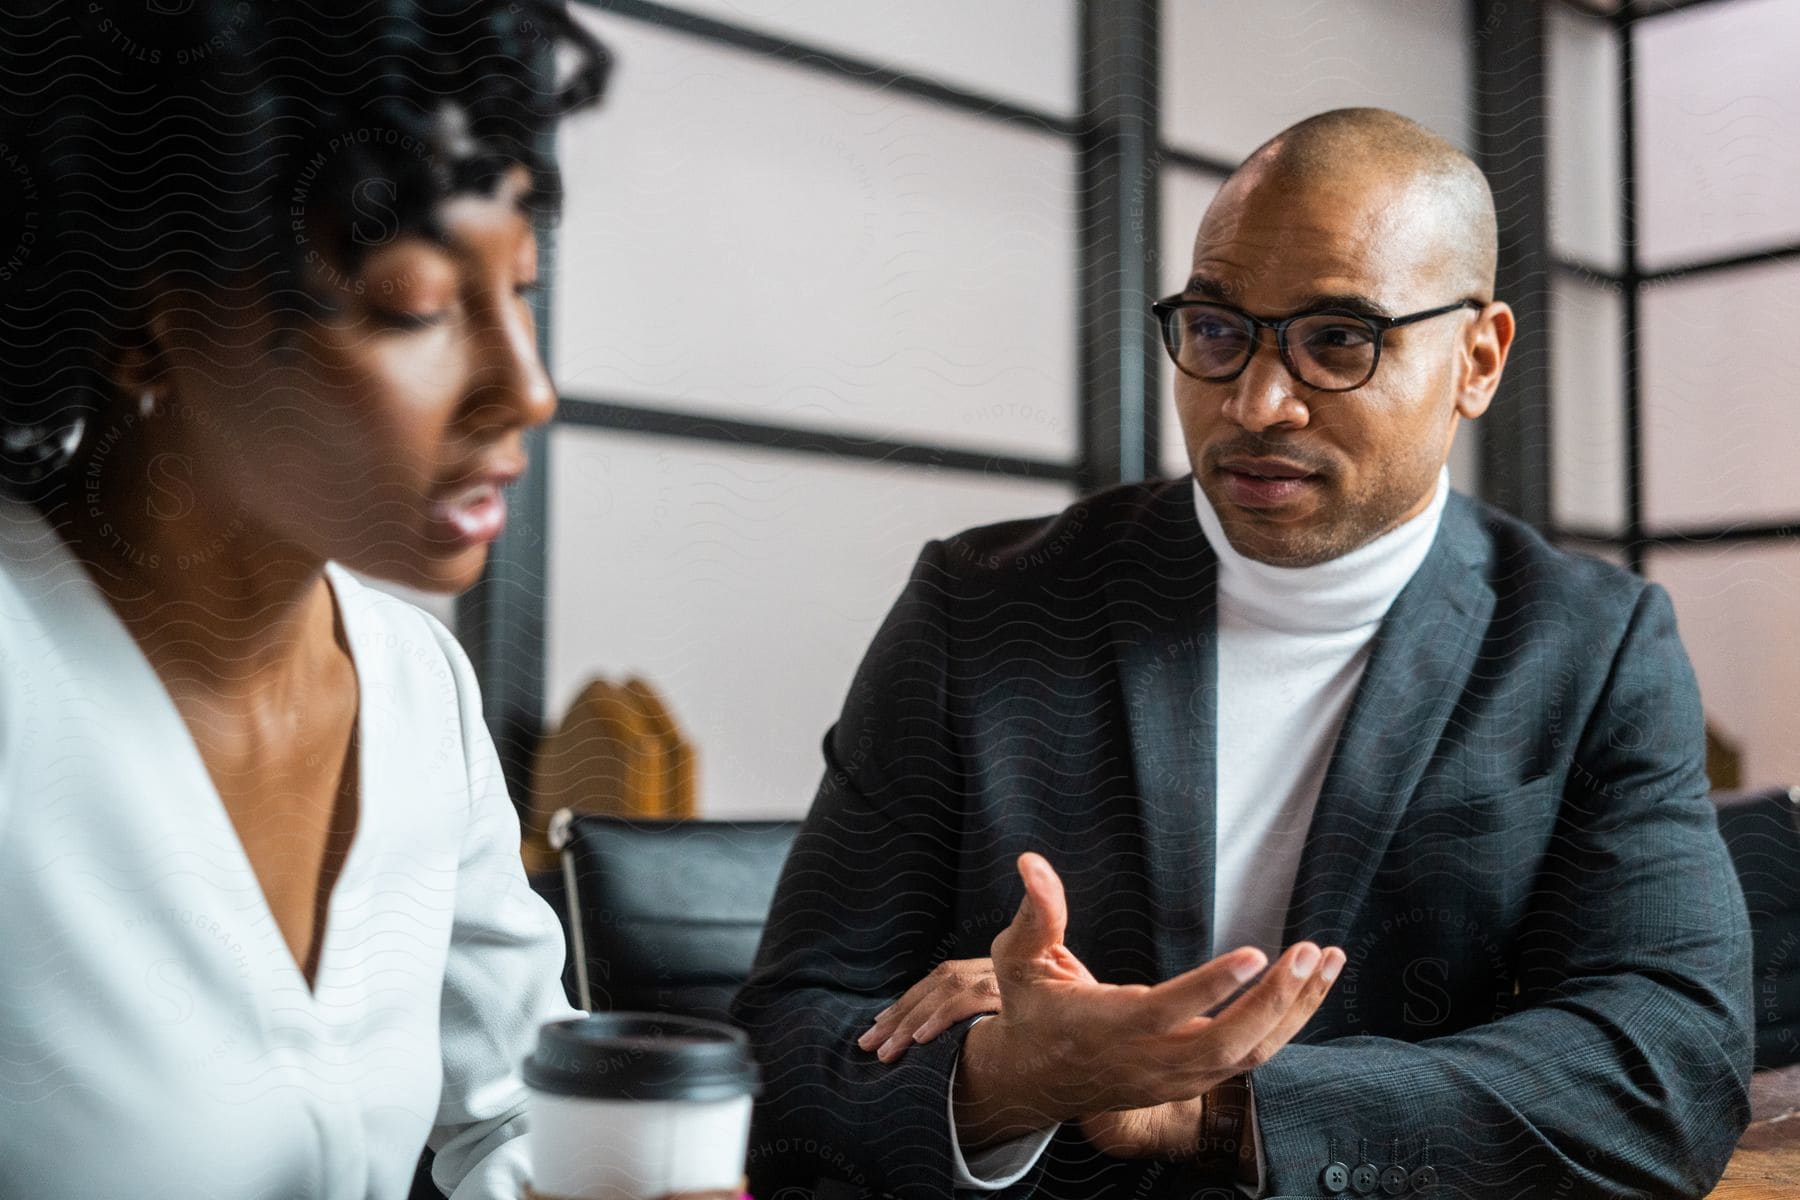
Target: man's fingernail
1245 967
1306 960
1332 967
864 1041
888 1047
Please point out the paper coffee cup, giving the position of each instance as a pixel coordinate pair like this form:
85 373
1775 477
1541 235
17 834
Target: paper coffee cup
635 1106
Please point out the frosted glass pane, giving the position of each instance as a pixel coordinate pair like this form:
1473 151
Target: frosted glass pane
743 584
1185 195
751 240
1718 105
1018 50
1584 181
1235 74
1587 407
1721 422
1738 608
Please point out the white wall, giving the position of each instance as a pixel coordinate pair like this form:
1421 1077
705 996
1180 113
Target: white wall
1023 51
1718 101
1738 608
1587 406
755 240
745 584
1583 178
1719 97
1234 73
1721 398
1584 185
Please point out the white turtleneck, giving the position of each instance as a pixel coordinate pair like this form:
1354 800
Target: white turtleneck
1292 645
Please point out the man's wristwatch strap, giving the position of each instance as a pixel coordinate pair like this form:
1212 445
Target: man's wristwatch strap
1224 1143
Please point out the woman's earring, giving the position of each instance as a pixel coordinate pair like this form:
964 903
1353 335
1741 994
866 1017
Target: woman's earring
146 402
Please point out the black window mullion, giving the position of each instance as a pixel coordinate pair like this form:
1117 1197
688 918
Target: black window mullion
1631 297
1119 223
1512 129
624 417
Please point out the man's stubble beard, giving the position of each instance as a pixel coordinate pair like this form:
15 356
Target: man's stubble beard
1319 542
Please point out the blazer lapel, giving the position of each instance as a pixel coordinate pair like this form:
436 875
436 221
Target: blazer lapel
1419 662
1164 636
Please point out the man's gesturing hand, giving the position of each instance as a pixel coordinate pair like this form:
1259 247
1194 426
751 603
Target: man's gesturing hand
1066 1046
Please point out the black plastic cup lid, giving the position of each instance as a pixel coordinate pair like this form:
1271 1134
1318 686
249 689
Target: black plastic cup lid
642 1056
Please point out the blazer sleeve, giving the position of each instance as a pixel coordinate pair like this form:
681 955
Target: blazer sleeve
860 914
1624 1068
502 978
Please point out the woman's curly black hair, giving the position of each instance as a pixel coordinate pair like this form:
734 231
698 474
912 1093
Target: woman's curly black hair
240 147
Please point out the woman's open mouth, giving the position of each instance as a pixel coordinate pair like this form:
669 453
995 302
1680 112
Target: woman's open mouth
471 516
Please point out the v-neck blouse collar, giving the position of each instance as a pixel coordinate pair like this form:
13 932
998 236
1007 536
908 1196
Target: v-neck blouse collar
91 628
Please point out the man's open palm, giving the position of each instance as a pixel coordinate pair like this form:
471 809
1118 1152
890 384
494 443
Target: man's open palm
1072 1046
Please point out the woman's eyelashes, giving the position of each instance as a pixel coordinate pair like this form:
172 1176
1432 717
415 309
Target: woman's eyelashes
409 321
406 320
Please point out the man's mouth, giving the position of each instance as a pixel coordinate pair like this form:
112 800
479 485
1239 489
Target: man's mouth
1266 482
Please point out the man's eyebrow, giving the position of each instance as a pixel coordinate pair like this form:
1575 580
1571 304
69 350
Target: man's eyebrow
1356 302
1210 289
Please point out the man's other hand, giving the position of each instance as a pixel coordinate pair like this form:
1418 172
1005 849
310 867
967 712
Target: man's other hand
956 988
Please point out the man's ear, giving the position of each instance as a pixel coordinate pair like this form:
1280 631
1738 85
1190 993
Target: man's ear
1483 359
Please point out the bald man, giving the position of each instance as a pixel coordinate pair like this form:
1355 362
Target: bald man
1299 828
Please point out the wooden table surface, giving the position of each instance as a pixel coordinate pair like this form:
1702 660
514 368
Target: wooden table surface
1767 1163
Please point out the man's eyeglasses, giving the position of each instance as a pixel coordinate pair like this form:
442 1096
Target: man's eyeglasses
1329 350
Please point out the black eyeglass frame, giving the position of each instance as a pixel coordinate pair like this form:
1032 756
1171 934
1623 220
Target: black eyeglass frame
1166 310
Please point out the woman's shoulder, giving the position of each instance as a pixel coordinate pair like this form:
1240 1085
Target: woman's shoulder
52 640
34 563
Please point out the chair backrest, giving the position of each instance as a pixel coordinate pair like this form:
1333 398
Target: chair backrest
665 916
1762 832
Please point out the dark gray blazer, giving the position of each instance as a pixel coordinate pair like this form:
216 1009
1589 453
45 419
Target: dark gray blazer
1548 987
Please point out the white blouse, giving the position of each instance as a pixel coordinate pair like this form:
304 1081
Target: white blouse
156 1036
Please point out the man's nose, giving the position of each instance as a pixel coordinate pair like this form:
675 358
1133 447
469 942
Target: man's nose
1266 394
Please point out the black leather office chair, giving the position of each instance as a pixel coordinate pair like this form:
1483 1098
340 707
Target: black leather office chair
1762 832
665 916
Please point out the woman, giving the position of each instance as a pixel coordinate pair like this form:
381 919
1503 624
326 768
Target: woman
263 928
